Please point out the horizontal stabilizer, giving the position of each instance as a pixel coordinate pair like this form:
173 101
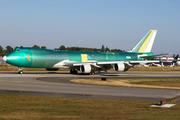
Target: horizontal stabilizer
154 55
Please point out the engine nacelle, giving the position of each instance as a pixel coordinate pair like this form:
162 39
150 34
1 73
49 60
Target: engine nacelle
120 66
87 68
52 69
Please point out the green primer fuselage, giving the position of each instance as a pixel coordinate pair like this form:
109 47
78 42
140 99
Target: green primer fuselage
44 58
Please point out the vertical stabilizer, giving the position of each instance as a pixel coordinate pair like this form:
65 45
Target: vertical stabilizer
145 44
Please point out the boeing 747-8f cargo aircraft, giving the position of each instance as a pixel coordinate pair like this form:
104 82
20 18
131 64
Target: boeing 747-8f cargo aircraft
83 61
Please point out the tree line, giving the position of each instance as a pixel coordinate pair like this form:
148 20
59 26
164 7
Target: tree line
10 49
102 49
62 48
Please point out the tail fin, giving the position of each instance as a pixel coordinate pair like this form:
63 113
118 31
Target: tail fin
176 58
145 44
167 58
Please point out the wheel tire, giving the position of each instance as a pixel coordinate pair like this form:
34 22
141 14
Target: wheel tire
92 73
20 72
75 72
71 72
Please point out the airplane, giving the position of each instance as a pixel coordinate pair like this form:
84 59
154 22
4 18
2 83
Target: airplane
167 62
84 61
176 60
170 63
165 58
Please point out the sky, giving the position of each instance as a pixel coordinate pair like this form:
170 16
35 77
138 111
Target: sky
117 24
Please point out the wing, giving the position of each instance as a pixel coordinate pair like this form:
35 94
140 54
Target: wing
89 67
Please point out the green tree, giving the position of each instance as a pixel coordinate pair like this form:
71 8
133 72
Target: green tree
102 48
8 49
35 46
107 49
117 50
43 47
174 55
62 47
1 49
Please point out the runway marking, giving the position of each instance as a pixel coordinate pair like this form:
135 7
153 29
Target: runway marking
174 99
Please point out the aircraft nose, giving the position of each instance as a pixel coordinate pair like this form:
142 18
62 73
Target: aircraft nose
4 58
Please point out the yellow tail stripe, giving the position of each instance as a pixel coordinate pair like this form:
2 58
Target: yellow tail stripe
84 58
146 42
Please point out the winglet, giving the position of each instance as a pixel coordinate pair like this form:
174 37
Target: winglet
145 44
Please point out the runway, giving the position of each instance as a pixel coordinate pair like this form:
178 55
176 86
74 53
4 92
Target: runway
58 85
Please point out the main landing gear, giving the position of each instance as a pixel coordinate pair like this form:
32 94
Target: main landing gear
92 73
20 70
73 71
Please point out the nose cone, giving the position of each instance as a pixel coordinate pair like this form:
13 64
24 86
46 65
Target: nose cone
4 58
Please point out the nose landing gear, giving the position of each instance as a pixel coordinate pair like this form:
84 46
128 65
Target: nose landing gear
20 70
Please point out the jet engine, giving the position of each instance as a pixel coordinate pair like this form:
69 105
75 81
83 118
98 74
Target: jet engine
120 66
87 68
52 69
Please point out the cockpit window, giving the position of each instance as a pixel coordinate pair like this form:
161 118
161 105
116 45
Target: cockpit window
17 49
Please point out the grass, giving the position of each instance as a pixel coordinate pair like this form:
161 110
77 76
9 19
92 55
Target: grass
19 107
166 83
170 82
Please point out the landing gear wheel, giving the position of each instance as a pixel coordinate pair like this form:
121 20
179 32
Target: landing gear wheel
92 73
72 71
20 72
